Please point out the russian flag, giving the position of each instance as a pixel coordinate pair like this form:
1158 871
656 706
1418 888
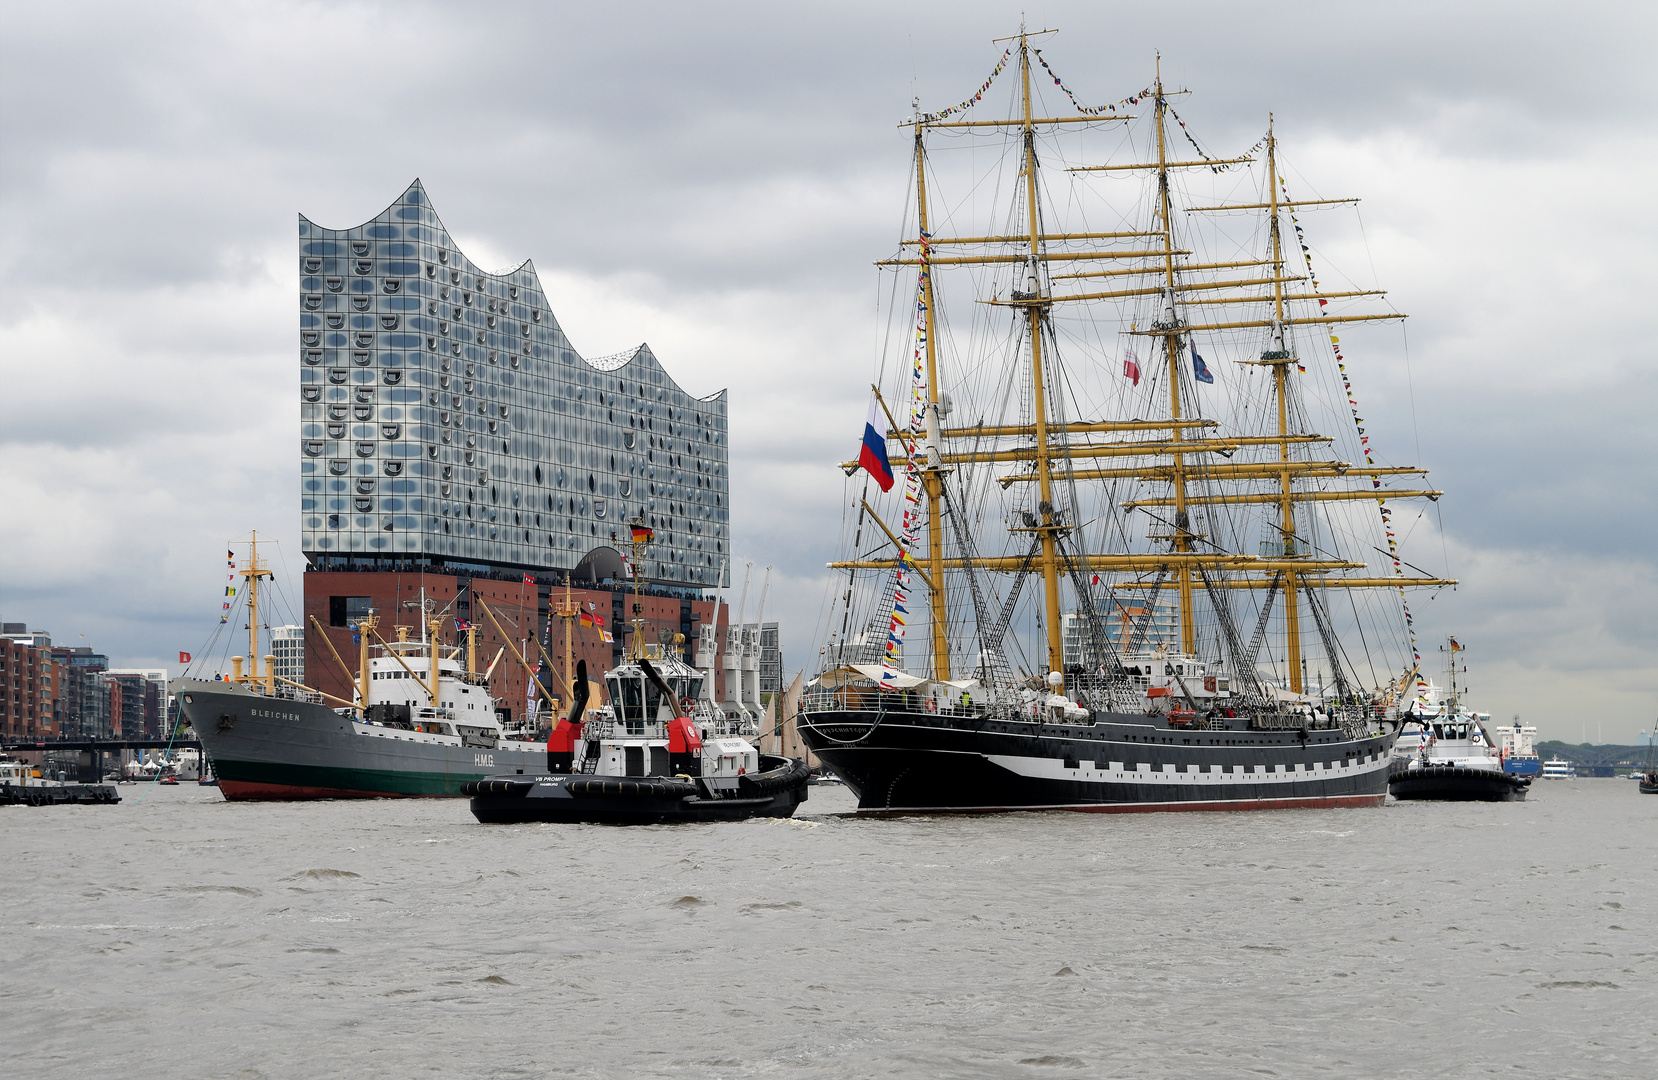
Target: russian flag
872 457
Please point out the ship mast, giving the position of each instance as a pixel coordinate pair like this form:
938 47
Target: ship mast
1171 325
251 574
642 535
1279 358
932 476
567 610
1047 527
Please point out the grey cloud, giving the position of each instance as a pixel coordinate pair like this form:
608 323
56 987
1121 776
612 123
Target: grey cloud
717 180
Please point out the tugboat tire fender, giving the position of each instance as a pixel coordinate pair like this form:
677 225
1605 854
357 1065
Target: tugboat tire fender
644 788
789 775
497 787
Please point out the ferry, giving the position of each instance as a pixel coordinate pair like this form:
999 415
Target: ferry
1557 768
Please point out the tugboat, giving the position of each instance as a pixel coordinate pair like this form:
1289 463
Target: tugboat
1454 759
660 752
22 784
635 762
1455 762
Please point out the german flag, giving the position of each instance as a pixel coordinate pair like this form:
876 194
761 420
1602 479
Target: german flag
643 534
587 618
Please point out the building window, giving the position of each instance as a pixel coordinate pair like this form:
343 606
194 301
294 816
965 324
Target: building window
344 610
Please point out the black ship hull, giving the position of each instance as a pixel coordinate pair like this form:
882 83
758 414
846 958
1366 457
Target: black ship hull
1457 783
925 762
576 799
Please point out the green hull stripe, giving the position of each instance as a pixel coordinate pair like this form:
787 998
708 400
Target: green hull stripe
386 781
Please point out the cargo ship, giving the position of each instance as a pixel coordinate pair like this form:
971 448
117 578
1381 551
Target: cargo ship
420 722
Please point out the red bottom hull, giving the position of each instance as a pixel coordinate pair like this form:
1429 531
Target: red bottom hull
1313 803
250 791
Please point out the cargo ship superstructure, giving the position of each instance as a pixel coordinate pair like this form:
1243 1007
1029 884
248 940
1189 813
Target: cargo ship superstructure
1015 454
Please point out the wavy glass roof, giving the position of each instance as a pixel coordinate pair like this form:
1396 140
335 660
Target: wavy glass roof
446 419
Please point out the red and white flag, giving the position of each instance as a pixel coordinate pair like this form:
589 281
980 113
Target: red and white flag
184 658
528 580
1131 367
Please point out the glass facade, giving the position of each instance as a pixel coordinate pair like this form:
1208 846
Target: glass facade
288 646
445 420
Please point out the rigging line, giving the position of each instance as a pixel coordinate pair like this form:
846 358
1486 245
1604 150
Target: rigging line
1228 633
1369 660
1315 603
1005 618
1137 631
964 543
1407 562
1260 634
1105 654
1410 387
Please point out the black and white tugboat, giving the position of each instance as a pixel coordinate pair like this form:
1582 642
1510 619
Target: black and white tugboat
22 784
1455 762
1452 757
660 752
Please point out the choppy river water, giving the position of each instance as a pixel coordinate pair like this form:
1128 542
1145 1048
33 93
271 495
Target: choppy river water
184 936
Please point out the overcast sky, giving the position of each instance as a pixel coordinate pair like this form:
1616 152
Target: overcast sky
716 179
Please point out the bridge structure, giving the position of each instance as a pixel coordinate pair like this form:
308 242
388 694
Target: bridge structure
90 767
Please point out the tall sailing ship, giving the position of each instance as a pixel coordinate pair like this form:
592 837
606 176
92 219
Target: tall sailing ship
1210 625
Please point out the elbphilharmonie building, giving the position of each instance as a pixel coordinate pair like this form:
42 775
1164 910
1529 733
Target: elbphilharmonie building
448 425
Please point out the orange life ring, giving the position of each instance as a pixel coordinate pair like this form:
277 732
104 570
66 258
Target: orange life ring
932 705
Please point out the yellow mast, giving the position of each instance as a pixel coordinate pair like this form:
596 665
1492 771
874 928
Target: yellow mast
638 620
932 478
251 574
1171 347
1034 315
365 630
1279 357
568 610
523 663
